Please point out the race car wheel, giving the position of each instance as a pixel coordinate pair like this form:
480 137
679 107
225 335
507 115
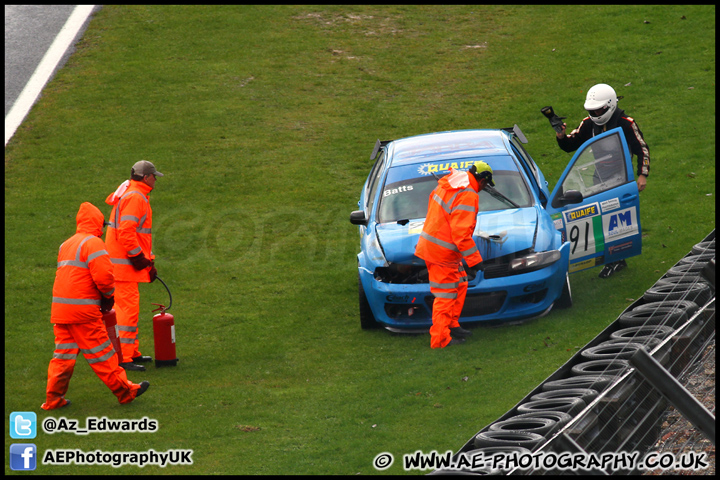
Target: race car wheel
367 319
565 300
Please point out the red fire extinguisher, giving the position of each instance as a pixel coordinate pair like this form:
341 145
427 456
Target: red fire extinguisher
110 321
164 333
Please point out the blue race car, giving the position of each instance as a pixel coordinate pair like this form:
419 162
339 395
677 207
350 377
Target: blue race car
529 239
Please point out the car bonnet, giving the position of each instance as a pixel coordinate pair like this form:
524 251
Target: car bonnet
496 234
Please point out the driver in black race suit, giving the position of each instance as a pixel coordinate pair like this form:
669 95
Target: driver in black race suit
603 115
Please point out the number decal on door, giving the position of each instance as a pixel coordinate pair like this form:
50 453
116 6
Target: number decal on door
585 231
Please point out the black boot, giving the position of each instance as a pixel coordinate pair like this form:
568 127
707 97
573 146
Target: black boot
459 332
132 366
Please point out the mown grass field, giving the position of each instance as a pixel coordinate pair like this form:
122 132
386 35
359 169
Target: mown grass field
262 119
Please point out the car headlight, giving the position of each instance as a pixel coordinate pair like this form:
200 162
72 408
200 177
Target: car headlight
375 252
534 261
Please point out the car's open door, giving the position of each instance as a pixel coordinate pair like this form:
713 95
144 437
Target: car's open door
605 226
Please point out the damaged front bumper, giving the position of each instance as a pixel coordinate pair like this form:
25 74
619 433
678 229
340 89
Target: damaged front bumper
400 298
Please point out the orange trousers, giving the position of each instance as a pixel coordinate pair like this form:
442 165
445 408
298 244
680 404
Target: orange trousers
448 284
92 340
127 310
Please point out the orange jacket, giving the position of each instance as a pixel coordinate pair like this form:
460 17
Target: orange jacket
84 271
130 231
446 238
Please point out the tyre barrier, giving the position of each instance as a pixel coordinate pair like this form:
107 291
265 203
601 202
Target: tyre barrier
596 382
531 424
611 367
587 395
571 406
695 292
703 247
643 332
681 281
628 415
605 351
622 349
648 343
499 438
689 307
701 258
690 272
526 420
670 316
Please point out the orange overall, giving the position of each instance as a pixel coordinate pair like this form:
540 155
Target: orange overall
128 235
446 240
84 274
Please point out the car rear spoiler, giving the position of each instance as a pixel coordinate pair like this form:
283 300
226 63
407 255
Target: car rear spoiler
378 145
515 130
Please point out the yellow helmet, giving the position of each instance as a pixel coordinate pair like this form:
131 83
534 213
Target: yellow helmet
482 170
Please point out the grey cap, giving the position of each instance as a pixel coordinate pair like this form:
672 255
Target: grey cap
143 167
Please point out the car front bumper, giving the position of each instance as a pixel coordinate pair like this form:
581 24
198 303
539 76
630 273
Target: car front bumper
505 299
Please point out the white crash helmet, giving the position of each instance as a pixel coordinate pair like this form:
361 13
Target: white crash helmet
601 103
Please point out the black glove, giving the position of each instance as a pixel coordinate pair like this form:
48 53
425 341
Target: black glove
472 271
106 303
153 273
140 262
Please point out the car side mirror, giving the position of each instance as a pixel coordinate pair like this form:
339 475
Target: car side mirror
567 198
358 218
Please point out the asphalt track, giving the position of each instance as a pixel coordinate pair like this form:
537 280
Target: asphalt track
38 41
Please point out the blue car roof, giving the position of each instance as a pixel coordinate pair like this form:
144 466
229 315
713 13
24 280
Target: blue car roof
446 145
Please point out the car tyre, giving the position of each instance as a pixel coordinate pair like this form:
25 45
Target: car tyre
697 292
704 247
565 300
689 307
611 367
670 316
642 333
571 406
595 382
501 438
586 394
367 319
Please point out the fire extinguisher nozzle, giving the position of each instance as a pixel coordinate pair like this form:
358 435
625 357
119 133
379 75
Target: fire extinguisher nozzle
169 294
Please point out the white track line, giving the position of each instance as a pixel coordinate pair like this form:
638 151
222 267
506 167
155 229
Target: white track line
44 70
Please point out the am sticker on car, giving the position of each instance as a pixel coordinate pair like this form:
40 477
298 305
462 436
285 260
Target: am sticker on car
620 224
585 231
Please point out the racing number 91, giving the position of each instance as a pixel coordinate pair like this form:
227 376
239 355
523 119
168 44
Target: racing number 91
575 237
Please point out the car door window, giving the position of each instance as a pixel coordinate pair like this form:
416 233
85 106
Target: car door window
599 167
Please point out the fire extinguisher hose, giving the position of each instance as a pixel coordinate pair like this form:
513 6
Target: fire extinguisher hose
170 294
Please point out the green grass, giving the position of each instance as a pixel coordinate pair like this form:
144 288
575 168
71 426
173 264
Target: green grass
262 119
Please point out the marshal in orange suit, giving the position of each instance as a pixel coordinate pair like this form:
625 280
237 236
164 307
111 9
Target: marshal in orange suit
83 288
445 242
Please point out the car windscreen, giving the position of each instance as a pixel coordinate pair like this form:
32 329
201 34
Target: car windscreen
407 190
